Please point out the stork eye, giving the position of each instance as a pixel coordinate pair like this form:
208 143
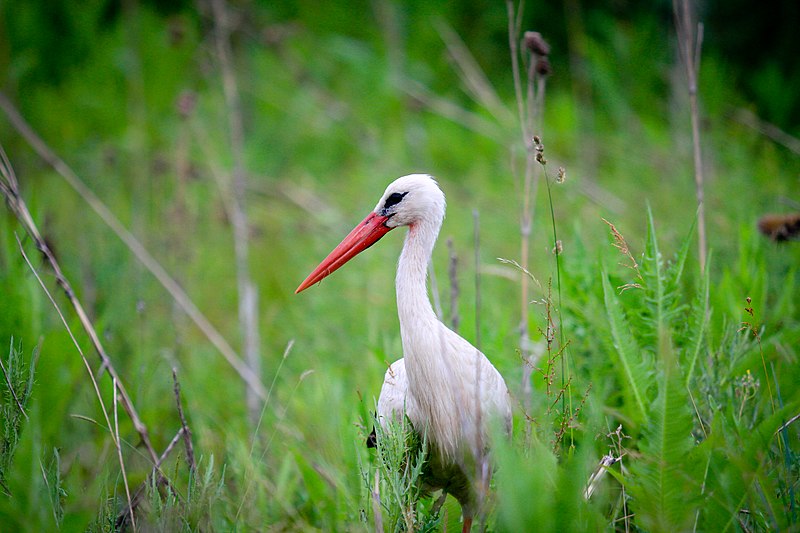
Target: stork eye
393 199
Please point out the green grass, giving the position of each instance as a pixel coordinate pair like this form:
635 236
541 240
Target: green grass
698 395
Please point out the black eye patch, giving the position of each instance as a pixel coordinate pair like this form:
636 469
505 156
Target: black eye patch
393 199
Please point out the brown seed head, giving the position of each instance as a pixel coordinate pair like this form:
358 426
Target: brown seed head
780 228
535 43
543 66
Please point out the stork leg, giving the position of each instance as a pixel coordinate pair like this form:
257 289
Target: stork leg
467 525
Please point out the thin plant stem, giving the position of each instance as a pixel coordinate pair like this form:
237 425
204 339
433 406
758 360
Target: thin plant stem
185 431
434 289
119 451
376 502
565 370
452 271
751 327
264 407
114 434
267 401
10 189
123 516
514 25
769 130
280 414
248 293
133 244
530 111
690 41
514 20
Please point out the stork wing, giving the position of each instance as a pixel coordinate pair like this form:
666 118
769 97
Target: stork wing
392 400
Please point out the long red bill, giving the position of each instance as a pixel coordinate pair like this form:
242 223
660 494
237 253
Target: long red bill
367 233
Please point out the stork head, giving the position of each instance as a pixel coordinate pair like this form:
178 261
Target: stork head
408 200
411 199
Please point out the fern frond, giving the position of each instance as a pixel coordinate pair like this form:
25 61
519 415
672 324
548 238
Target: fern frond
665 478
654 277
696 326
676 270
661 284
634 371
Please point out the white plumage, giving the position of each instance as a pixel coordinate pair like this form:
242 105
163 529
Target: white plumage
445 386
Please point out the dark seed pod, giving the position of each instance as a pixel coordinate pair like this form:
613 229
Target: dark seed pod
543 67
535 43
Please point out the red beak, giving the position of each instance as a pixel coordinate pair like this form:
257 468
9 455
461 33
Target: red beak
367 233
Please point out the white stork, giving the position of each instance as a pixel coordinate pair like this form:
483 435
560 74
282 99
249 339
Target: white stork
446 387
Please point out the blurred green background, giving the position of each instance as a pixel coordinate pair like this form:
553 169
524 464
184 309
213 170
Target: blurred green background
338 99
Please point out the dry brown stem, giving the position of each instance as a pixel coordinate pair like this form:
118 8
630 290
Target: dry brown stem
248 292
470 72
771 131
9 187
185 431
125 516
530 110
690 42
795 418
118 392
452 271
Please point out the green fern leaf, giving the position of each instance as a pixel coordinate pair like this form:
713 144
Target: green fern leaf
654 278
696 326
665 479
676 270
661 284
632 365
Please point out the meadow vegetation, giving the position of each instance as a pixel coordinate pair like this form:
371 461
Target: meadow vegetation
652 392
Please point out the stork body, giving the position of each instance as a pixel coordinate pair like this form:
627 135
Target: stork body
448 389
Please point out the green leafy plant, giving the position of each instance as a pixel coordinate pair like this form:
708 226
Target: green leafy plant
394 482
16 387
